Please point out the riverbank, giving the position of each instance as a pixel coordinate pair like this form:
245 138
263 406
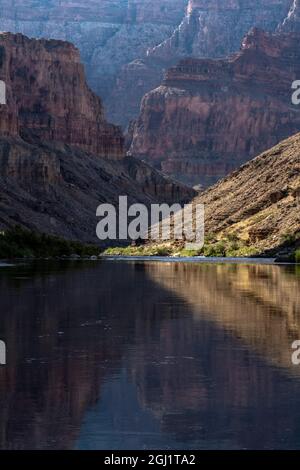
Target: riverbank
224 249
17 243
20 244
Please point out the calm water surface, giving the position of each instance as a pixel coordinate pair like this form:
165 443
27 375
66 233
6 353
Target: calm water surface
137 355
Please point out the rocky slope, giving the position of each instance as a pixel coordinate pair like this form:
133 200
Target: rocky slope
56 189
109 33
59 158
252 212
210 116
260 202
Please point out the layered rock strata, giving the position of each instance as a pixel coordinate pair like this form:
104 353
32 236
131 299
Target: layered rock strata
210 116
48 98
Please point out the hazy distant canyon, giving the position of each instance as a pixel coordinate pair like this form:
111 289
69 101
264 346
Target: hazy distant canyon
154 65
127 44
109 33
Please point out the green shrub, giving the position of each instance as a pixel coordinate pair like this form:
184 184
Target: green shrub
233 238
189 253
217 250
289 238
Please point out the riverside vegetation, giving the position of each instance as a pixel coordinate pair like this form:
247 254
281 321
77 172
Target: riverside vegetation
21 243
17 243
229 247
253 212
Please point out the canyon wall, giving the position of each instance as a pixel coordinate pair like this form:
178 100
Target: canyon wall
108 33
59 158
292 21
48 98
127 44
214 28
210 116
210 28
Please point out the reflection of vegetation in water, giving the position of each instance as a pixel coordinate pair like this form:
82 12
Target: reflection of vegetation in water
18 274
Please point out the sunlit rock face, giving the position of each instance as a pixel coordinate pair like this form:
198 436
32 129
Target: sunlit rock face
210 116
292 22
48 98
215 28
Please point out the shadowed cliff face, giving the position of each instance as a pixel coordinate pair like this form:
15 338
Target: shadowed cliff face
56 189
194 356
59 157
210 116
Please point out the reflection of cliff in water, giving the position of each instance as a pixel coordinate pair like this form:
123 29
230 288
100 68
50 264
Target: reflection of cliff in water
66 331
206 348
258 304
225 375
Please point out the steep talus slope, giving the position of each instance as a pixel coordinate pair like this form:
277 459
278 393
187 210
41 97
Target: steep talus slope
210 116
260 202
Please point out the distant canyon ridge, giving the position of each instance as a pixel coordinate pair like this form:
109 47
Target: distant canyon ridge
209 117
201 86
108 33
127 45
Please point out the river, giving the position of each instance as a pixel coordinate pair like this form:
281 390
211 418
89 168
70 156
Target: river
121 355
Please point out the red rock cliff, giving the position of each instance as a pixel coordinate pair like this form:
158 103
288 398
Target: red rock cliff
48 98
209 116
108 33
